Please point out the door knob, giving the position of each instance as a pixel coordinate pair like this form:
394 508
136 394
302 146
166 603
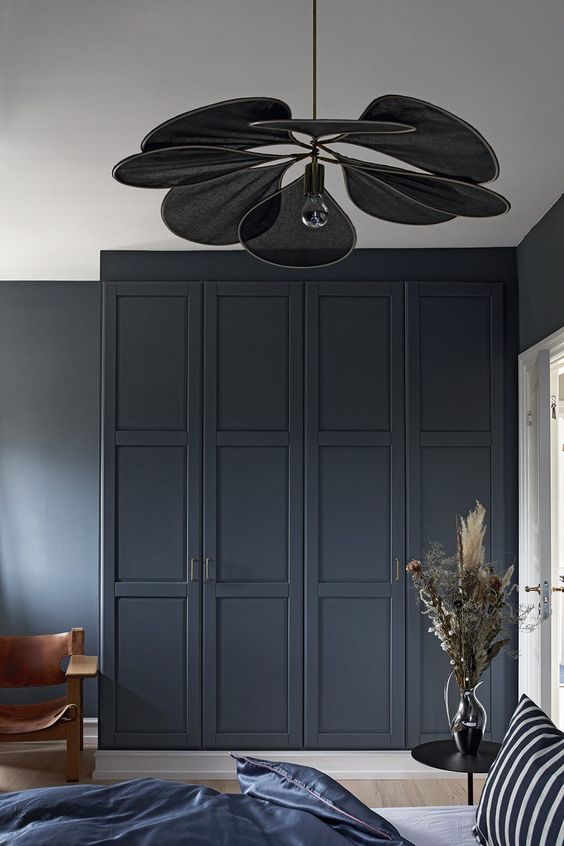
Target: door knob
530 589
561 589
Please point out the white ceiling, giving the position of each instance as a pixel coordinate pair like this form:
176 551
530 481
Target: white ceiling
82 81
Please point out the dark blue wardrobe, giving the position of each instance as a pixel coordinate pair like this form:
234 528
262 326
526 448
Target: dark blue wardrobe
273 454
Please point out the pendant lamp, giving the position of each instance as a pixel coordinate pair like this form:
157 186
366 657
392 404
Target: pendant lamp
224 191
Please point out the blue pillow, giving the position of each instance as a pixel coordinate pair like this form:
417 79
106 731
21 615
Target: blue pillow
307 789
522 802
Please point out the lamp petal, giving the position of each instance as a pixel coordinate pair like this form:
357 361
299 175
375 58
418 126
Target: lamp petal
209 212
442 143
322 127
451 196
227 124
174 166
273 231
380 200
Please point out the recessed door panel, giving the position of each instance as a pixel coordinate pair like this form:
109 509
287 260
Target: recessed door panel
151 660
455 362
151 522
151 362
354 363
252 665
252 517
354 513
452 479
354 666
252 363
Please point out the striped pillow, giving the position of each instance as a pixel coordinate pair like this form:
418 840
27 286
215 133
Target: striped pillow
522 803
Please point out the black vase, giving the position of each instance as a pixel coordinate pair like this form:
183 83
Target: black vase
469 723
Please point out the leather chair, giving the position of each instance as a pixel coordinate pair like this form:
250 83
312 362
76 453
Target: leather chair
35 661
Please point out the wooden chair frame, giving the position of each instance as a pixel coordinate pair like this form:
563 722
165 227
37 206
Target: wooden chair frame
21 665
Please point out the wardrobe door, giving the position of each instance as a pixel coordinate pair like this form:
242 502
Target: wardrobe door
455 456
253 522
150 691
355 573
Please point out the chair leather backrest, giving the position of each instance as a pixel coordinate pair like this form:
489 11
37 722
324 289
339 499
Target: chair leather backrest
35 660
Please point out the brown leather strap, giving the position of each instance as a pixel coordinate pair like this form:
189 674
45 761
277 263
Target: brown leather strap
21 719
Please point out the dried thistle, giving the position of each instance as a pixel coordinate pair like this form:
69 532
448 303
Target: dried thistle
466 601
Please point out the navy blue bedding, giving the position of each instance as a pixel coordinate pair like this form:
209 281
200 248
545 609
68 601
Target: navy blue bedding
147 812
307 789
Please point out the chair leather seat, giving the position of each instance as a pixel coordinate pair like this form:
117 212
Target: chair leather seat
18 719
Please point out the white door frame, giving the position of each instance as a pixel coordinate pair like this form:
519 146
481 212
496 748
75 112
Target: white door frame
528 669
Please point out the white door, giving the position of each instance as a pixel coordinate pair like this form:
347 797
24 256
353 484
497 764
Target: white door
557 592
535 543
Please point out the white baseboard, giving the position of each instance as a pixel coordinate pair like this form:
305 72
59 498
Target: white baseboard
212 765
120 764
91 731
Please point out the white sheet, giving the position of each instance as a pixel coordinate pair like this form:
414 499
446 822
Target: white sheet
434 826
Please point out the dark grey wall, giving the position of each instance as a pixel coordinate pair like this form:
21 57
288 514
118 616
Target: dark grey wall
49 409
540 259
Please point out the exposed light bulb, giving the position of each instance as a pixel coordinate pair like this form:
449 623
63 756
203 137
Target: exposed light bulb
315 213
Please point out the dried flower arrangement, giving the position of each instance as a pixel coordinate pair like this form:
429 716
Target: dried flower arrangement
466 601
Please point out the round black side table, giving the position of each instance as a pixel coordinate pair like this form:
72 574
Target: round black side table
444 755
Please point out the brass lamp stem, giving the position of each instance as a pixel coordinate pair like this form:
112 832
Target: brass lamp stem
314 60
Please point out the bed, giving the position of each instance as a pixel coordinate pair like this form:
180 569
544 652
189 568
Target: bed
280 804
149 812
285 804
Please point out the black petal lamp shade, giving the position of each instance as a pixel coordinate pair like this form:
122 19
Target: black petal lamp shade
224 189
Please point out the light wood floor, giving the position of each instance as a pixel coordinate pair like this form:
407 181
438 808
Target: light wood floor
21 769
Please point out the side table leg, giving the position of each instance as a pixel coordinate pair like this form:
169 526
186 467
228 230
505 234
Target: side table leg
470 789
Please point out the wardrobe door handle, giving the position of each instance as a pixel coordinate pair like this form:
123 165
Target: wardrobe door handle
397 569
193 575
207 571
